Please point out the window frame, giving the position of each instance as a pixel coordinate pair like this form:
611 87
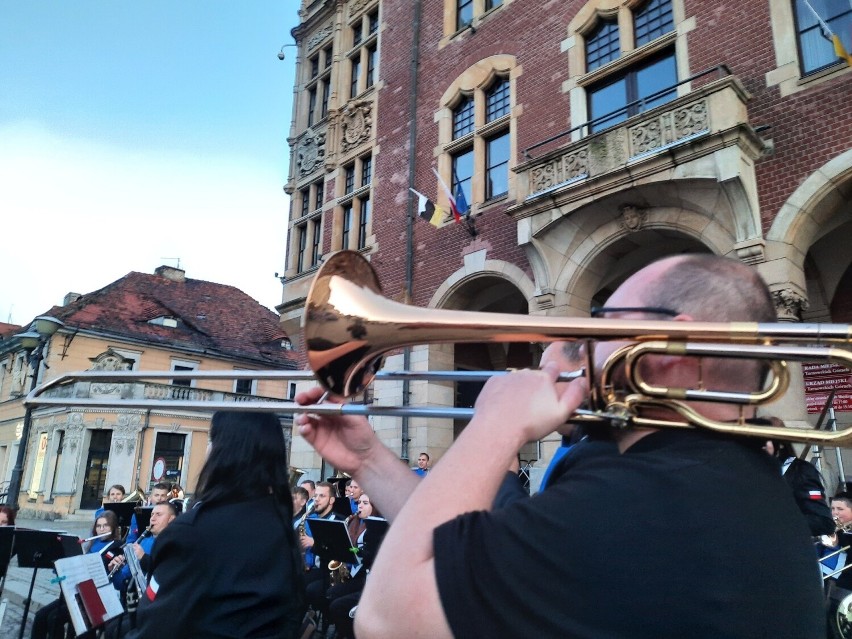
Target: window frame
363 56
473 139
355 203
317 85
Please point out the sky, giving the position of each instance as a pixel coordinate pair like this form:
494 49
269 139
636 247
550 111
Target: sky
135 134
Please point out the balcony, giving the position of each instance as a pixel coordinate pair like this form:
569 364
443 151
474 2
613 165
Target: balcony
115 392
660 144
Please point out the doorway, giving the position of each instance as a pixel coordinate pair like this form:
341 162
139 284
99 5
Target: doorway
96 470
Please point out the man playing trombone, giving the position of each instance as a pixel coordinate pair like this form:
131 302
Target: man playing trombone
685 533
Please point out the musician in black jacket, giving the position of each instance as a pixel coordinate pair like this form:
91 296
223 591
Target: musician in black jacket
806 483
229 567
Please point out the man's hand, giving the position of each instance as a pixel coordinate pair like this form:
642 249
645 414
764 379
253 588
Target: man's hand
344 441
137 549
529 401
307 542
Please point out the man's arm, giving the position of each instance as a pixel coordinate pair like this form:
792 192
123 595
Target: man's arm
350 444
510 411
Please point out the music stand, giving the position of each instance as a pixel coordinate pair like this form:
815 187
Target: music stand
377 527
123 511
7 549
37 549
143 517
332 541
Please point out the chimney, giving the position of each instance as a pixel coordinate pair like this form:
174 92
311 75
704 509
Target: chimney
70 297
171 273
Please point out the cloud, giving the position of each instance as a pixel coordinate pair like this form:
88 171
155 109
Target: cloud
81 214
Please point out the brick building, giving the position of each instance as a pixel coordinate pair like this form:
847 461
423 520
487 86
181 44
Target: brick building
589 138
142 322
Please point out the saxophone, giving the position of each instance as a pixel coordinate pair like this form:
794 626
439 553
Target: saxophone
339 571
300 527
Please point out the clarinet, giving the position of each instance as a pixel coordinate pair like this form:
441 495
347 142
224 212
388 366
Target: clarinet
124 550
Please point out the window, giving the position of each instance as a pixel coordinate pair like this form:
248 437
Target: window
318 195
652 21
309 199
496 166
183 365
366 170
816 52
349 178
316 240
356 205
627 53
364 57
602 45
318 86
497 100
463 175
464 14
306 201
347 225
363 221
302 235
642 87
245 386
480 142
463 117
306 249
169 447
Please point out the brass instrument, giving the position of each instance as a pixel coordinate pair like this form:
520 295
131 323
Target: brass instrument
136 495
348 326
338 570
300 528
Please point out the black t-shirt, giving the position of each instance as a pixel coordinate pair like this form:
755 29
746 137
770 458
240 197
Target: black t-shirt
685 535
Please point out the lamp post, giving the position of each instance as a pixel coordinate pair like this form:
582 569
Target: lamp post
33 342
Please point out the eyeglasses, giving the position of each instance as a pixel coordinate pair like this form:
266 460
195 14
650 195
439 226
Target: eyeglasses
597 311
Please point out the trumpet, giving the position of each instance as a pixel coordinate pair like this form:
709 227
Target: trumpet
348 326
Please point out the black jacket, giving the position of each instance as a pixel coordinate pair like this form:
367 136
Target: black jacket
224 570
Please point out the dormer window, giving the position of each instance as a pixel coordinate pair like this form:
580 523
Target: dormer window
168 322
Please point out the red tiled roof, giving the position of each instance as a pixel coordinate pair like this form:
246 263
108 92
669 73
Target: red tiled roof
9 329
216 319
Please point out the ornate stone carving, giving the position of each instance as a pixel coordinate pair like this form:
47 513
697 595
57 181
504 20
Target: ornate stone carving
356 6
789 304
319 35
109 360
311 152
74 429
691 119
646 137
669 127
632 218
567 167
356 123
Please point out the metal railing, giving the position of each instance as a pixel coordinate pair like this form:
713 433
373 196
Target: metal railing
722 69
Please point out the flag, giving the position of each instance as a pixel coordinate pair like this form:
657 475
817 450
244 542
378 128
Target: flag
427 210
839 49
461 201
453 207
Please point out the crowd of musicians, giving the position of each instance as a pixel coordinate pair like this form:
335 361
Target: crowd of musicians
636 532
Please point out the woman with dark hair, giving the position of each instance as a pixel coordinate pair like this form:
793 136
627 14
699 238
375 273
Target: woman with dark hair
7 516
229 567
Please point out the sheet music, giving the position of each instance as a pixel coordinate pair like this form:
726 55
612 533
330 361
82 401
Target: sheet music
75 570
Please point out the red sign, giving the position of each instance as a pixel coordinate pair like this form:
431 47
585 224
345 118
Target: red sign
820 380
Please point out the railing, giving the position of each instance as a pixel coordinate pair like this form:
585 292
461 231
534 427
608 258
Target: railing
721 69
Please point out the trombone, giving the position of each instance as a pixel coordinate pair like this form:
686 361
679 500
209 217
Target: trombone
348 326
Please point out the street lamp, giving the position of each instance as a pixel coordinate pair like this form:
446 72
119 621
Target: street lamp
281 53
33 342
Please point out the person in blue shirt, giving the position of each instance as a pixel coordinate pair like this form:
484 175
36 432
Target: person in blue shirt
422 465
115 494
